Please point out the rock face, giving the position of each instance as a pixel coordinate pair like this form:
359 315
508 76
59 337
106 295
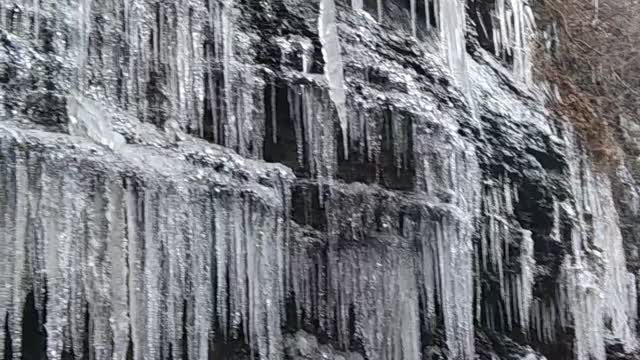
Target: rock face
295 179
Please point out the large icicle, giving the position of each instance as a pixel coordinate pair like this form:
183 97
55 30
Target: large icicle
333 68
452 33
414 20
526 280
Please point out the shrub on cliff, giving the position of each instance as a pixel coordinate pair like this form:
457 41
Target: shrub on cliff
591 51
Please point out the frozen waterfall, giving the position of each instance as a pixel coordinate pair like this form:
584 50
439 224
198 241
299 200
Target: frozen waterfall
340 179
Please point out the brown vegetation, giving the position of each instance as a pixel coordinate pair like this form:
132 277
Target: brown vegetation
595 65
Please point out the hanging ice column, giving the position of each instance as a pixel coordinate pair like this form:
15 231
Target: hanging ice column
452 30
333 69
447 271
513 28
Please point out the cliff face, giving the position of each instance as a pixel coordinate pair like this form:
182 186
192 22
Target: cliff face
294 179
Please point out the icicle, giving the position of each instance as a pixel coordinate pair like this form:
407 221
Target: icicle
151 257
632 301
230 132
202 316
221 255
274 114
436 13
307 56
333 68
133 266
36 19
413 18
427 14
527 277
58 250
452 30
585 304
380 7
482 25
429 274
14 196
555 232
119 273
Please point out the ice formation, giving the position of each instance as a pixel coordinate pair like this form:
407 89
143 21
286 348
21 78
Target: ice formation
513 30
86 119
497 239
408 227
356 4
153 259
598 283
356 288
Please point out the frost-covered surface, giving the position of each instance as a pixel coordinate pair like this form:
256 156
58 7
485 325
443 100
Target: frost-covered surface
437 210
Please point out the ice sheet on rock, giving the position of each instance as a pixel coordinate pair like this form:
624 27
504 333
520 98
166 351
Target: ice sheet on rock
596 279
585 304
373 288
87 118
448 168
